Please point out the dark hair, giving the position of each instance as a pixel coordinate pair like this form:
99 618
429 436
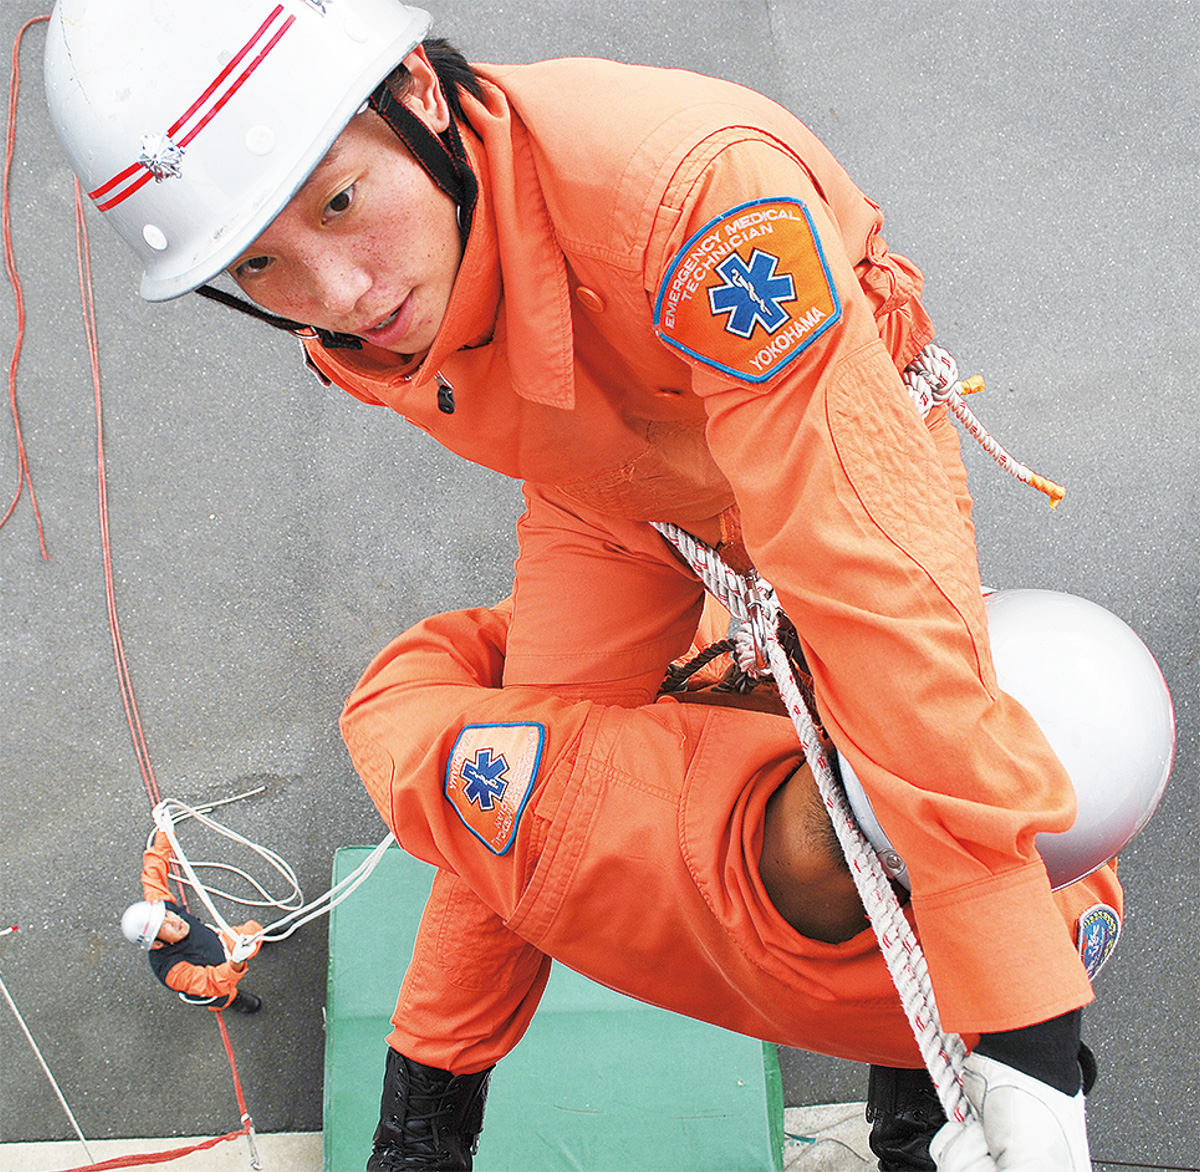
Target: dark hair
453 70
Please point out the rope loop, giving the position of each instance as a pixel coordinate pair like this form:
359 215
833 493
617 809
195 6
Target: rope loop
170 811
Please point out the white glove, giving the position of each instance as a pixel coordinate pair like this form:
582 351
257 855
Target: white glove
1028 1126
961 1147
244 949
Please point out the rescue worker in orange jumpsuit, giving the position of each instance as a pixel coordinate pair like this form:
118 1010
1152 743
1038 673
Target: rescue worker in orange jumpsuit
684 837
185 954
651 296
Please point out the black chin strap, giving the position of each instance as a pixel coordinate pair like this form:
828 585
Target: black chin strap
443 157
328 339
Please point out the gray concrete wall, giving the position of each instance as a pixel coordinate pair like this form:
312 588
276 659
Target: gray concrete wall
1038 160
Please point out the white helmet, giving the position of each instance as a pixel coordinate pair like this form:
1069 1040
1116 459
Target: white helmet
141 922
191 124
1100 699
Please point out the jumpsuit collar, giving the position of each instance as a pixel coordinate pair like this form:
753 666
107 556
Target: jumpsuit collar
536 300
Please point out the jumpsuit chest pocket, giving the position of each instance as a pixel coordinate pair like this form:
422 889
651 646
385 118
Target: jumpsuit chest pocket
673 478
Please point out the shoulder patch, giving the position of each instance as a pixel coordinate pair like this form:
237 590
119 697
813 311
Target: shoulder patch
750 291
490 777
1099 931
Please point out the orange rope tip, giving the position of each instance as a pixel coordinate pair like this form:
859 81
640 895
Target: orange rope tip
972 385
1055 492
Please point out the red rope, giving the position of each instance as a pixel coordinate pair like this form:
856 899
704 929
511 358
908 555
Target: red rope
124 679
24 476
237 1082
160 1157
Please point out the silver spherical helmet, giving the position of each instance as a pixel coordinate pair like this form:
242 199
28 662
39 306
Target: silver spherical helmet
191 123
1099 697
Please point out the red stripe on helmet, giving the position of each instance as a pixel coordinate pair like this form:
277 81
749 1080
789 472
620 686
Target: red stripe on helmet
114 181
134 177
233 64
126 192
237 85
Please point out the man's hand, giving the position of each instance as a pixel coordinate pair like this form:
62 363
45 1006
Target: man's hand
243 950
961 1147
1025 1124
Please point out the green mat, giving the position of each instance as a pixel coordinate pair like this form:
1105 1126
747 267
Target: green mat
600 1083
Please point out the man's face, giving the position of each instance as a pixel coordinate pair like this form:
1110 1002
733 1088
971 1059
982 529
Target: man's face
174 928
368 246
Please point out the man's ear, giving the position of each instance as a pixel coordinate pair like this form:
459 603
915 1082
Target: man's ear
424 96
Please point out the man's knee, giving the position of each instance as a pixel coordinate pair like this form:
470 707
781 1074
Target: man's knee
802 867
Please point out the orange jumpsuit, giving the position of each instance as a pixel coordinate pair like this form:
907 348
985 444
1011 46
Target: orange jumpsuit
195 982
674 305
623 842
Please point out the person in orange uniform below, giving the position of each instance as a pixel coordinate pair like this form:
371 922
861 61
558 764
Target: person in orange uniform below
186 955
652 297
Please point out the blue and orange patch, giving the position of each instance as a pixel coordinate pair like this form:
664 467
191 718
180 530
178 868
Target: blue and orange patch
750 291
1099 931
490 777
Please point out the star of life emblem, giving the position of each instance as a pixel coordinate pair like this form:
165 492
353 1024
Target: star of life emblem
490 778
485 779
161 157
752 294
750 291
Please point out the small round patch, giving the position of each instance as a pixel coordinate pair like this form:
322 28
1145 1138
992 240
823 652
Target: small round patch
1099 930
750 291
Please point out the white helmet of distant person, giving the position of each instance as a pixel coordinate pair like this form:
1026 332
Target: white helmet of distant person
1099 697
192 123
141 922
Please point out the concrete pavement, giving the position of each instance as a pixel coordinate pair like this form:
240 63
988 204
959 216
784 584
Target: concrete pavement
1039 162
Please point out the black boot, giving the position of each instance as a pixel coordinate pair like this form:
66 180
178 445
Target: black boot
905 1113
245 1003
428 1119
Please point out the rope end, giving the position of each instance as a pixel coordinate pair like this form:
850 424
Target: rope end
1055 492
972 385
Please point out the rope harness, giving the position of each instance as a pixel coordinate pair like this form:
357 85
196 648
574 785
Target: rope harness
766 644
752 599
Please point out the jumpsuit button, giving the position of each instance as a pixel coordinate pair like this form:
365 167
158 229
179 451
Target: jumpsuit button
590 299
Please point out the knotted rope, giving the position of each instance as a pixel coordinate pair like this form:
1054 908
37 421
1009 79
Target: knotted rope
932 378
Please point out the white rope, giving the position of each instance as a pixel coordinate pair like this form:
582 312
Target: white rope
932 378
41 1061
753 600
170 811
251 1137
